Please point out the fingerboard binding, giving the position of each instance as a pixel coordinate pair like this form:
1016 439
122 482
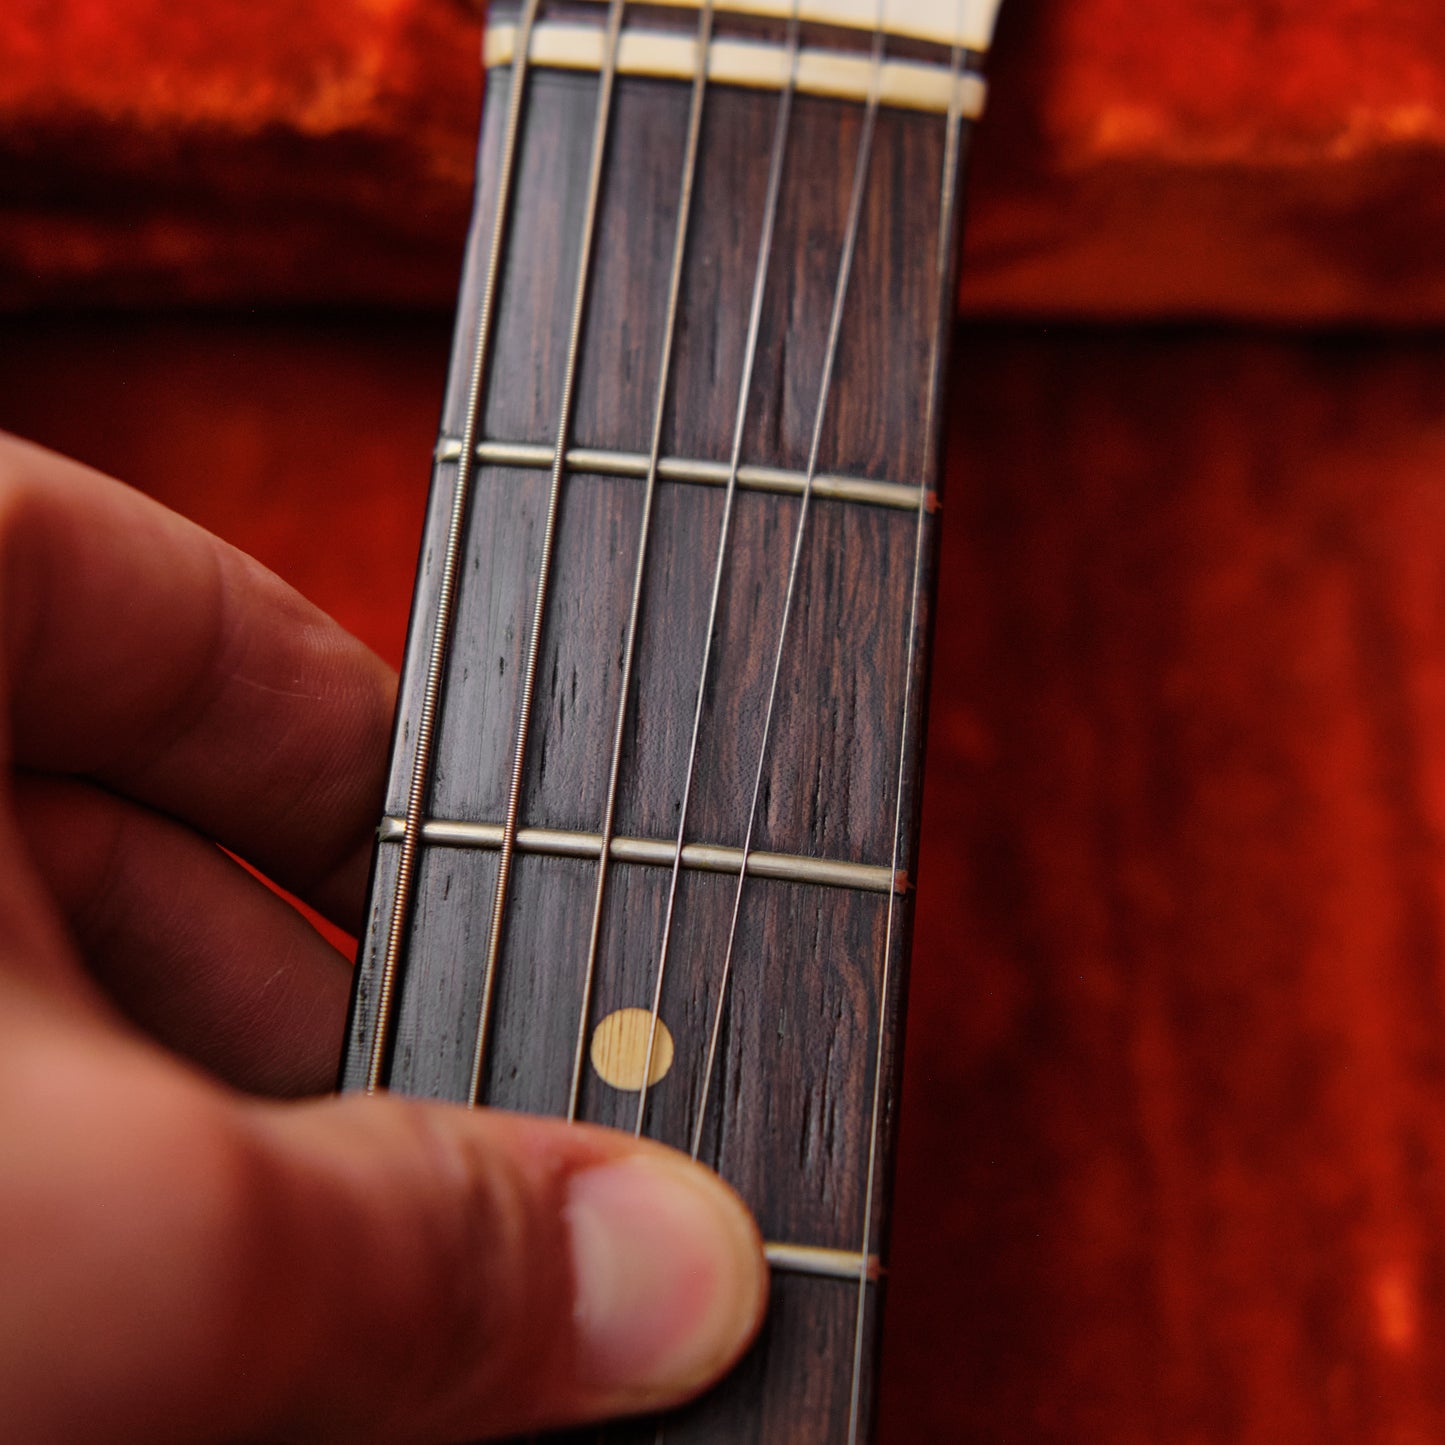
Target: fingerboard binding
659 735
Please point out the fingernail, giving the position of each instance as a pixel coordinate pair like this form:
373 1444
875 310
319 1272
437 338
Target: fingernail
669 1275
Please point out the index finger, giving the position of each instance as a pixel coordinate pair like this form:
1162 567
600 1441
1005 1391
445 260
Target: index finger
142 652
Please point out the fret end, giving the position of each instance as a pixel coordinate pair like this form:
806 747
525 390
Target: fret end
823 1263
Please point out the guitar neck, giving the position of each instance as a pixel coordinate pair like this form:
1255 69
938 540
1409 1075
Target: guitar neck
653 803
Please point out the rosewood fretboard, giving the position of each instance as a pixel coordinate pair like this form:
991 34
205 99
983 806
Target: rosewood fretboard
675 590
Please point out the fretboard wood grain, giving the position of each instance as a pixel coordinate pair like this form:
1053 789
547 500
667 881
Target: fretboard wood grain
799 1109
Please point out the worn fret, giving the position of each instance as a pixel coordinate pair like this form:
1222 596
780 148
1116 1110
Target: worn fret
810 1259
751 477
660 852
754 64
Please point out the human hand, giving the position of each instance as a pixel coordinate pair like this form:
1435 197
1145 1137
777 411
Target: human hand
181 1260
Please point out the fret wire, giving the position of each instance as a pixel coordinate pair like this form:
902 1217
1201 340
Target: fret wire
659 852
835 327
752 476
421 763
755 319
821 1262
947 223
679 253
564 421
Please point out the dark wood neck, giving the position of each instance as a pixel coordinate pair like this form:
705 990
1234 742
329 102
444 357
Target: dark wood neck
675 589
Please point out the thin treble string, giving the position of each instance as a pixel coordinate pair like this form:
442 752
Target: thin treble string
679 252
835 326
755 317
554 499
446 594
944 299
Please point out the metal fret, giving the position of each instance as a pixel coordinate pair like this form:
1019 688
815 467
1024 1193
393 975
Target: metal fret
810 1259
658 852
752 64
599 461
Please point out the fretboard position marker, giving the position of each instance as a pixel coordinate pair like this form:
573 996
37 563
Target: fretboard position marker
664 368
620 1049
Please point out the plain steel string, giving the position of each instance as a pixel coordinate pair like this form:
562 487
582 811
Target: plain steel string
446 595
946 229
835 326
755 316
679 253
554 499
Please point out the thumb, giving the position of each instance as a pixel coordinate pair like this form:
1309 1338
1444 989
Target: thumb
188 1265
447 1273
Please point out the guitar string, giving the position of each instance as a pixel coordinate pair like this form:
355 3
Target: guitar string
760 276
835 326
679 253
948 202
422 756
606 89
400 911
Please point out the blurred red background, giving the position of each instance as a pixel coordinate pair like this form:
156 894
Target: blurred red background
1174 1119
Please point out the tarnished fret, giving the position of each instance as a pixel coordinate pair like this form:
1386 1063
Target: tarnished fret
600 461
810 1259
968 23
658 852
752 64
